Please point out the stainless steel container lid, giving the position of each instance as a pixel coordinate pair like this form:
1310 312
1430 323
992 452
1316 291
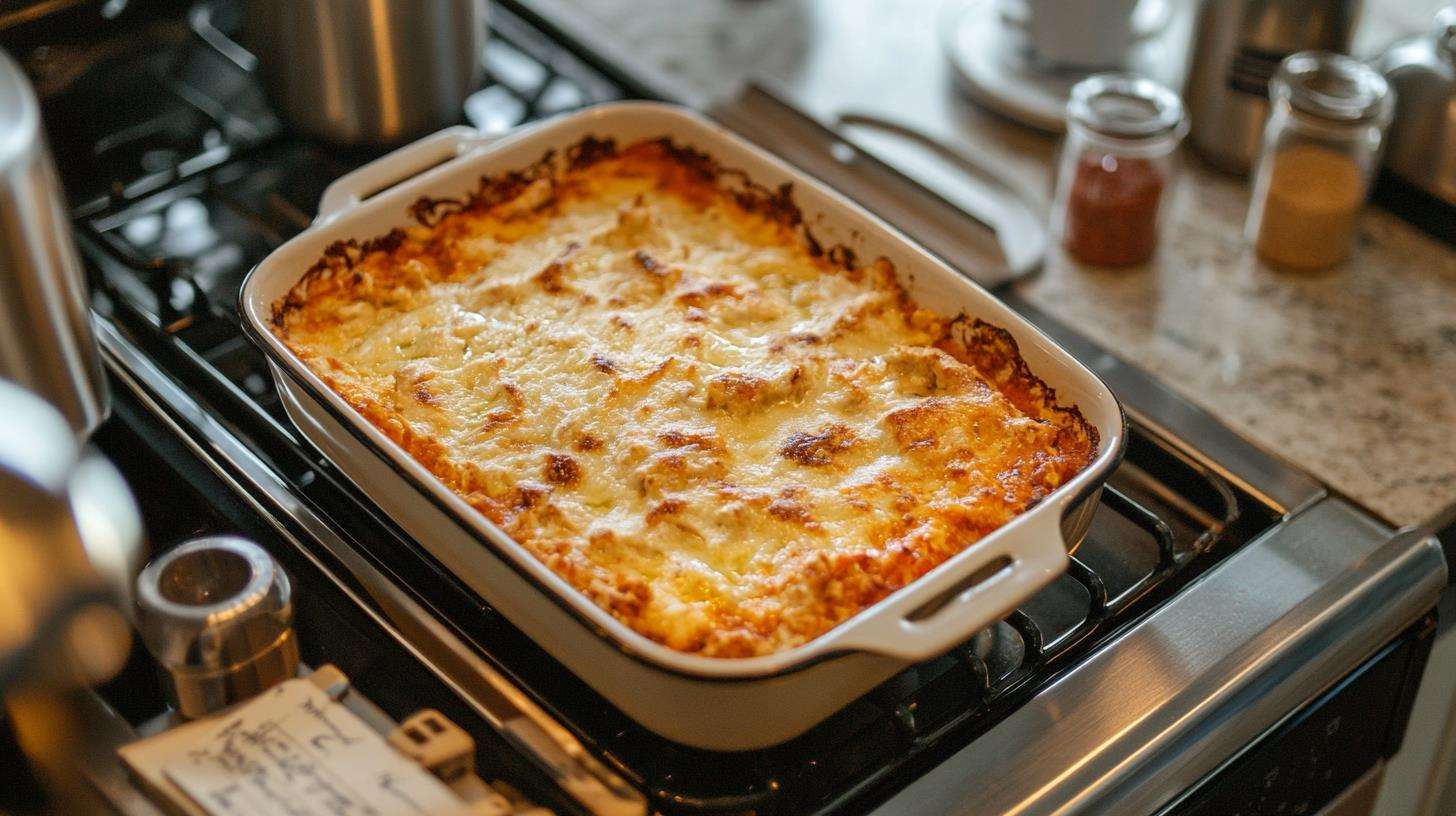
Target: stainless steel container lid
46 343
217 613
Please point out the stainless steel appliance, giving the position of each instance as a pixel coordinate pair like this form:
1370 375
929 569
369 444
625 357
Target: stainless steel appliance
1421 152
46 342
1224 613
357 72
1237 46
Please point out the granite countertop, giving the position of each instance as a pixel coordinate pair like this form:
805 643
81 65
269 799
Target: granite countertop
1350 374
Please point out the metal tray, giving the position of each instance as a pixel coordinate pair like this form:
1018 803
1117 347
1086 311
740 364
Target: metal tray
715 703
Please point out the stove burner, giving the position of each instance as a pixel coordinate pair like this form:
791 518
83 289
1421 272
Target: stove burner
183 189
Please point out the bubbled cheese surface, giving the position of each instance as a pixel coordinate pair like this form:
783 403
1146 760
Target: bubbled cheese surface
665 394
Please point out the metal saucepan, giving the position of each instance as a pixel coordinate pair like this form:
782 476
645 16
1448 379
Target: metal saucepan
360 72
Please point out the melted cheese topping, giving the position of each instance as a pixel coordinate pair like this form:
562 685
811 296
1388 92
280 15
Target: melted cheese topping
715 433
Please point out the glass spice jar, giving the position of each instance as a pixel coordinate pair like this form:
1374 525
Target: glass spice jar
1115 168
1327 121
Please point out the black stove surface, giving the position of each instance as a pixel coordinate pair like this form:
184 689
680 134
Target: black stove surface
181 180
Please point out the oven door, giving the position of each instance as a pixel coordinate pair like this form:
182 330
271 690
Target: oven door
1328 757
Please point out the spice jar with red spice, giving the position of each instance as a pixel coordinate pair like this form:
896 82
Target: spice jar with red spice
1116 167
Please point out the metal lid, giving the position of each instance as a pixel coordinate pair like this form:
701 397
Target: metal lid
217 613
1332 87
1126 106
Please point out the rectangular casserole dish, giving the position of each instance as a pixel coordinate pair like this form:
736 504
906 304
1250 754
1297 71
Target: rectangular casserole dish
714 703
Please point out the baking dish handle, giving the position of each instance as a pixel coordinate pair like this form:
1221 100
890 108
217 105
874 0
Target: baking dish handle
349 190
965 600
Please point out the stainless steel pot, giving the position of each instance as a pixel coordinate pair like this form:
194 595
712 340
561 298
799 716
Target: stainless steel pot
367 71
46 343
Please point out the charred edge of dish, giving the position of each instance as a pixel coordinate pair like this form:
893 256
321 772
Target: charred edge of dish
842 256
589 151
338 258
490 191
1010 354
775 204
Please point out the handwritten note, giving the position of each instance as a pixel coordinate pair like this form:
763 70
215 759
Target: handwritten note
293 751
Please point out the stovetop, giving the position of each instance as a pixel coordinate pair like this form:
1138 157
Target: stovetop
181 179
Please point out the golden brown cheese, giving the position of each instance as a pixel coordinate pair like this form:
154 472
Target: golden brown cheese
647 372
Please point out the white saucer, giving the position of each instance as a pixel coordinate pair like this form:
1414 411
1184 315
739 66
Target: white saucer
986 45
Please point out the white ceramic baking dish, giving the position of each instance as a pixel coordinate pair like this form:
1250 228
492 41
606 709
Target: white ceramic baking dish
724 704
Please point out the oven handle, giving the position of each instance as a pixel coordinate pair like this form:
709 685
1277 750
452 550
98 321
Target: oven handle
353 188
966 598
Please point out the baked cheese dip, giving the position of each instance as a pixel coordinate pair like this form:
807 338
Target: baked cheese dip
646 370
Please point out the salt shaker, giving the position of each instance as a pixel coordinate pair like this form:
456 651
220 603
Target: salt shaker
1321 147
1115 168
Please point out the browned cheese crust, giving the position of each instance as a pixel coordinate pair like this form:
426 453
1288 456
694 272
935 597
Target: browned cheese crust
643 368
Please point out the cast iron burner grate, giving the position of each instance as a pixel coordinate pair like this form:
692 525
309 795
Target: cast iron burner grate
188 180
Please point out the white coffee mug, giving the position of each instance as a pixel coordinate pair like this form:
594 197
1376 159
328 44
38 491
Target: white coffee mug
1080 33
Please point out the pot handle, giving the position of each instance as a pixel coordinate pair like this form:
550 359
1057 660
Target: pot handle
349 190
965 599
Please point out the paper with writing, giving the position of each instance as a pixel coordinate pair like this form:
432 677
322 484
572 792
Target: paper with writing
294 752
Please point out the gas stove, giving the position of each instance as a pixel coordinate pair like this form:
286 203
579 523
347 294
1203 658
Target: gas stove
1221 602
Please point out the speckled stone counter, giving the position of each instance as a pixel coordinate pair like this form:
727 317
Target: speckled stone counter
1350 374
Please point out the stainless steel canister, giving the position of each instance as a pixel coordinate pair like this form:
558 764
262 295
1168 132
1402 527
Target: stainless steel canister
367 71
1238 44
46 343
217 613
1422 72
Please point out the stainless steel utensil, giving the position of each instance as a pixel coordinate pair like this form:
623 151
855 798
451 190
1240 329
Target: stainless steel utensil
1421 150
46 342
1238 44
217 613
362 72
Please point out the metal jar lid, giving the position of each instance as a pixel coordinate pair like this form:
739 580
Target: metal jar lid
217 613
1126 106
1332 87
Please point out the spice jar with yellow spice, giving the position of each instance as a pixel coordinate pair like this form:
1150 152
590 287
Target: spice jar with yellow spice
1321 148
